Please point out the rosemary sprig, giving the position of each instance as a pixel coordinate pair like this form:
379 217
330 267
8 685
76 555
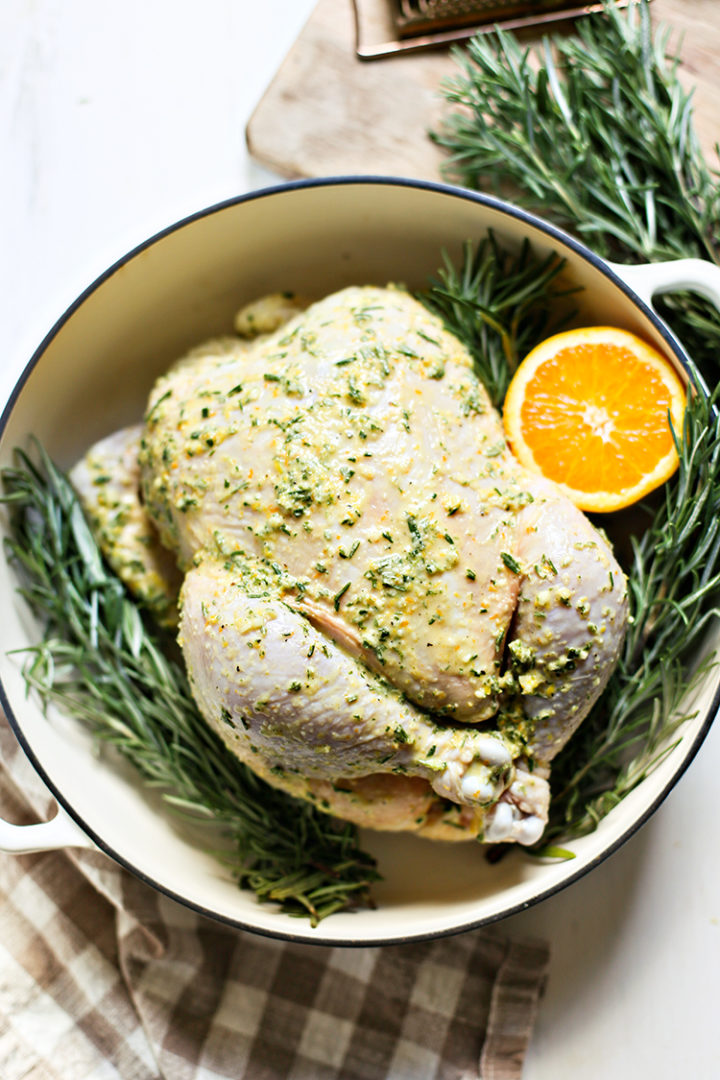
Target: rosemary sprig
103 661
595 132
499 304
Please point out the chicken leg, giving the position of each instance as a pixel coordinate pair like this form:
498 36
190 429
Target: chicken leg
284 696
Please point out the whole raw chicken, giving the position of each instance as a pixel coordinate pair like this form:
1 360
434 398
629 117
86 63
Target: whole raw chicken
380 611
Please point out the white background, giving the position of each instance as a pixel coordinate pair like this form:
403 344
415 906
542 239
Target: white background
117 118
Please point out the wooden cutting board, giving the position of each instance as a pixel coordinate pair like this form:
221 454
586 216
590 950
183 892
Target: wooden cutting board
327 112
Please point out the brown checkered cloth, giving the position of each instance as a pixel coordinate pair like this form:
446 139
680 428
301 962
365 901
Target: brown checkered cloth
102 978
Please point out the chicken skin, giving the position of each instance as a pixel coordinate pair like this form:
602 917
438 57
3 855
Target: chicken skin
381 610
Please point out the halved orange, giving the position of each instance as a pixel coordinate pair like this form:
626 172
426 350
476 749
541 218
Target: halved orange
591 409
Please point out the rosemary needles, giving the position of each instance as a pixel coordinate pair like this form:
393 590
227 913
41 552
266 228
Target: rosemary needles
104 662
499 304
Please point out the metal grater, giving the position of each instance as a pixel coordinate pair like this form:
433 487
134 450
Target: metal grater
423 16
393 27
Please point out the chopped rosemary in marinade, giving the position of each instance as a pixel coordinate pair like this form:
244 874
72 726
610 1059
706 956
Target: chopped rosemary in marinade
511 562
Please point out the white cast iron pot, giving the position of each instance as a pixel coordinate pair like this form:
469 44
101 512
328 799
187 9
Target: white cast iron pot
91 375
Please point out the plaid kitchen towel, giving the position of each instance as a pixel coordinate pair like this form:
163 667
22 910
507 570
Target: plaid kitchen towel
102 978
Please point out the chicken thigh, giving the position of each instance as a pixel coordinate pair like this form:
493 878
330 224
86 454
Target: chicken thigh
382 611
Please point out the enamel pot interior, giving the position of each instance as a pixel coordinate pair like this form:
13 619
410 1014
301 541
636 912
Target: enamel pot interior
92 374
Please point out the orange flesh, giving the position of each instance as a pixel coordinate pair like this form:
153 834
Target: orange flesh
596 418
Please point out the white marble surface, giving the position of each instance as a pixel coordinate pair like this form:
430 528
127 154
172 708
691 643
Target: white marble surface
118 118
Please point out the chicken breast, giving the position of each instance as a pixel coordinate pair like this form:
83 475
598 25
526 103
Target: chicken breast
380 607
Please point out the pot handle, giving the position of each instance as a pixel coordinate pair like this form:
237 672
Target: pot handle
60 832
679 275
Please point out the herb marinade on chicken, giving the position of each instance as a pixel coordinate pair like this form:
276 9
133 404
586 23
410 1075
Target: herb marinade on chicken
381 610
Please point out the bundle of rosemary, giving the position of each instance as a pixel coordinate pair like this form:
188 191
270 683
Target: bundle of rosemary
595 132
